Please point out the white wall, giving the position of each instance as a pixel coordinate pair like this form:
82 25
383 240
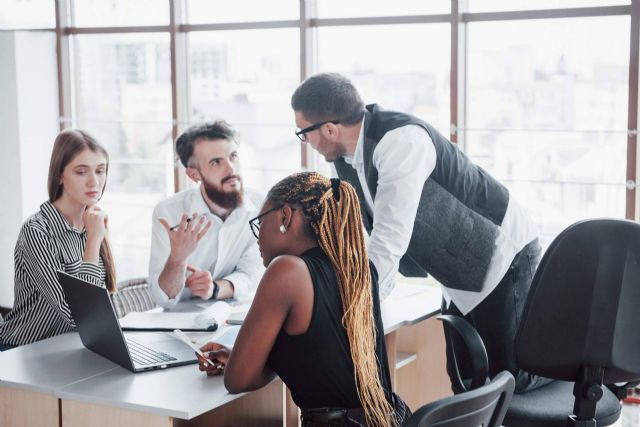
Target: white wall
28 126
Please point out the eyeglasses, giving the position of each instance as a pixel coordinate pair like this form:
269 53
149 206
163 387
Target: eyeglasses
301 133
255 222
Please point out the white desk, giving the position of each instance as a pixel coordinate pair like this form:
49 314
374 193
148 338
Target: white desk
93 391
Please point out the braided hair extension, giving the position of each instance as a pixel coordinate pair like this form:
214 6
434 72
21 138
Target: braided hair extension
333 217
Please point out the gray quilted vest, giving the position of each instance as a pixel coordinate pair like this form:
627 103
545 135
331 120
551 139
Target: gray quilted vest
459 213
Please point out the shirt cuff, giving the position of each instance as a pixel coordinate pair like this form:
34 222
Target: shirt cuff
161 298
240 285
90 272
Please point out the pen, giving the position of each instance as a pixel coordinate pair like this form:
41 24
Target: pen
178 225
185 339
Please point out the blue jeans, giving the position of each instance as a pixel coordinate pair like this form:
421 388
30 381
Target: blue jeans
497 319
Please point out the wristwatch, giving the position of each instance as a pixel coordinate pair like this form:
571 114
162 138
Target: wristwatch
216 290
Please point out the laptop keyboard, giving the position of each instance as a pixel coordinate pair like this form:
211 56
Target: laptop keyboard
143 355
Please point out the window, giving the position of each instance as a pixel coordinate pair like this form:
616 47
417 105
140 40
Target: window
501 5
547 114
123 97
109 13
384 64
247 78
23 14
206 11
368 8
546 102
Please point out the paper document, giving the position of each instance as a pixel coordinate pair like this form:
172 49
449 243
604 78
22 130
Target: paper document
206 320
228 337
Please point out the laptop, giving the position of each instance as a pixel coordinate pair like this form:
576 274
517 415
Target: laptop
100 331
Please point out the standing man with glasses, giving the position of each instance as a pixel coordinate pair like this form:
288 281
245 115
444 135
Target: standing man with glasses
428 210
201 245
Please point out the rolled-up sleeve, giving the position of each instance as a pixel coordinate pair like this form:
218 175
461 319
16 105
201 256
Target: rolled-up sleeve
159 253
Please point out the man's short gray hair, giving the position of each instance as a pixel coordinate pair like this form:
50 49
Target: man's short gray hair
328 96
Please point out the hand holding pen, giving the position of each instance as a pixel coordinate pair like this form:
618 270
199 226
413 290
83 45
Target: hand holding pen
184 237
217 355
175 227
203 360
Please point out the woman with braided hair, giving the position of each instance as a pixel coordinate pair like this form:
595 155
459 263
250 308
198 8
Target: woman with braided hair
315 320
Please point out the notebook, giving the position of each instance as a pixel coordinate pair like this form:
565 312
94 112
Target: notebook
168 322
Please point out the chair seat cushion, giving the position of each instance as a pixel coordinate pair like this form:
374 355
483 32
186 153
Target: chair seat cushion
550 405
132 297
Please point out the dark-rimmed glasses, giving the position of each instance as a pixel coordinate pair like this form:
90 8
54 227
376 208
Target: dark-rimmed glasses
301 133
254 223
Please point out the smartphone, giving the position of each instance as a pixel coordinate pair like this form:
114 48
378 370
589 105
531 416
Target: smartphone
236 318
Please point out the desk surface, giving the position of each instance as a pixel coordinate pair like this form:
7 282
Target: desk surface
48 365
63 367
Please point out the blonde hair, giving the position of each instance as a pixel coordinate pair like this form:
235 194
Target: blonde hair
66 147
333 213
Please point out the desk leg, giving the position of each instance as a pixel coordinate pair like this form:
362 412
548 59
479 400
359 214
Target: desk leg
28 408
79 414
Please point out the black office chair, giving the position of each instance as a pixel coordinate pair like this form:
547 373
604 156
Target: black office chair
580 325
482 405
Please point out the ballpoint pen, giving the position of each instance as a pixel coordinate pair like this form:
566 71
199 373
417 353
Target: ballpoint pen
178 225
185 339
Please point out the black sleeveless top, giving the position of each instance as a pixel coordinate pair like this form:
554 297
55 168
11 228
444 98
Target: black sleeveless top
317 365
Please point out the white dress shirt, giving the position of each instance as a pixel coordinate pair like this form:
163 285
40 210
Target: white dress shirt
229 250
401 177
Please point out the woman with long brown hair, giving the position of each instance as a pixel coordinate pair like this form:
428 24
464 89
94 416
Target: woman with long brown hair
315 320
68 233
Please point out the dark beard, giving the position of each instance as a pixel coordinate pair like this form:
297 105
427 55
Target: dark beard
224 199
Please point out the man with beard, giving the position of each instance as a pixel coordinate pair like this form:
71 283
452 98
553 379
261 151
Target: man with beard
201 245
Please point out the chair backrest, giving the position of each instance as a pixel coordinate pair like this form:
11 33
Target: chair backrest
582 304
132 295
483 407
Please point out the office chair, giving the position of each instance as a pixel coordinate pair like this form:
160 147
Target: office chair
482 404
132 295
579 326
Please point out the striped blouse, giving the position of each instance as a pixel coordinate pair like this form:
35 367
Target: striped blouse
47 243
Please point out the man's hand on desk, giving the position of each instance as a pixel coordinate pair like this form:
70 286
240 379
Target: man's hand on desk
202 285
200 282
216 353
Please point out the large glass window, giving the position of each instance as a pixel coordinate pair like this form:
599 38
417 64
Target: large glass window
501 5
23 14
247 78
368 8
219 11
109 13
382 63
400 67
123 97
547 102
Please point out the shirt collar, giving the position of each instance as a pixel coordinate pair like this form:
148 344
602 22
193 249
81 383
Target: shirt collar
59 224
358 157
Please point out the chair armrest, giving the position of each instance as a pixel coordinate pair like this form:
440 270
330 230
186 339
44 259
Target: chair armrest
475 347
